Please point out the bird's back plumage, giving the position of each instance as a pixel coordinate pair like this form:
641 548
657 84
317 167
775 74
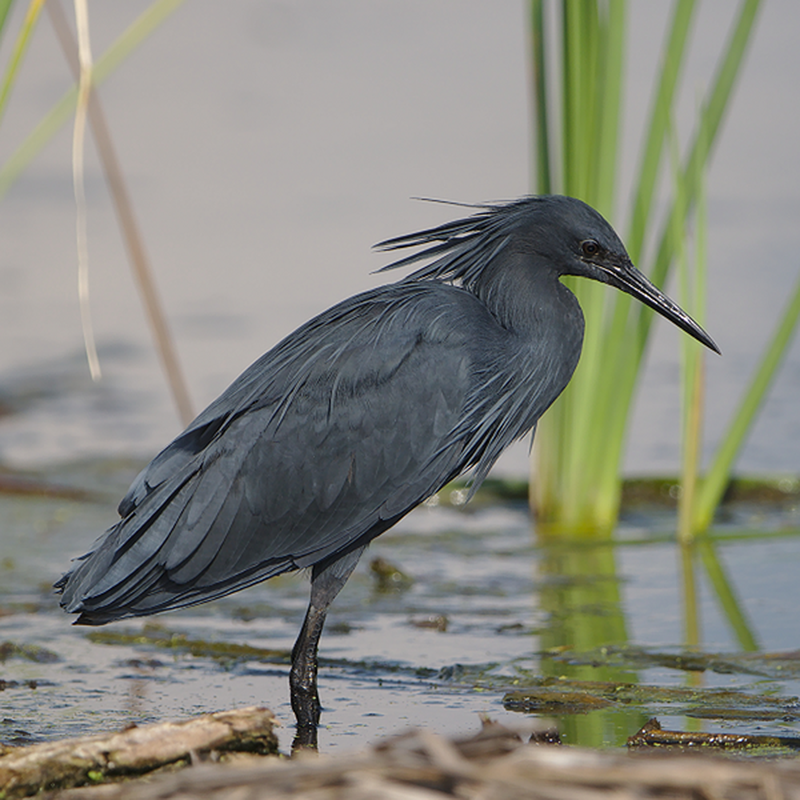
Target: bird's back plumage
342 428
241 496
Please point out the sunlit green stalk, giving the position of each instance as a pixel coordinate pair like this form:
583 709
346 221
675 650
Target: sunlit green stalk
672 61
592 56
586 443
618 340
705 138
618 343
692 440
718 474
701 509
689 377
581 439
702 146
539 83
693 297
20 46
5 7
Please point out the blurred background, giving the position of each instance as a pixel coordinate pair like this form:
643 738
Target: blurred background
268 145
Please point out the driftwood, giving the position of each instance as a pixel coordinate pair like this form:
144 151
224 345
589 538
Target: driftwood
494 765
72 762
651 734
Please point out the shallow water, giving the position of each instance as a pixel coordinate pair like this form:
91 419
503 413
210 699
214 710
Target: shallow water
488 612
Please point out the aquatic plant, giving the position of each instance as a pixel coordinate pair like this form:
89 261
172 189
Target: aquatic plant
577 456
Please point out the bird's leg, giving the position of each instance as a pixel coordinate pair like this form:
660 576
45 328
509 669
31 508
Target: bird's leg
327 580
303 675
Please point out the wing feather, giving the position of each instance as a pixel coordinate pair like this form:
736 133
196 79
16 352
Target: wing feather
323 442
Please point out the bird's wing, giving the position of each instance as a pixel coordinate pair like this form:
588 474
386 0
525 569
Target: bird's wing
320 446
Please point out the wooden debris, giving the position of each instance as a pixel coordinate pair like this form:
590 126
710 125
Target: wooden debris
497 764
554 700
651 734
91 759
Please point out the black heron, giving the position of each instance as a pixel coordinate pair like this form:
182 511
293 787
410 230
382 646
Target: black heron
360 415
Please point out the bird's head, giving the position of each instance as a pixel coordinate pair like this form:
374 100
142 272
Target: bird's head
564 234
582 243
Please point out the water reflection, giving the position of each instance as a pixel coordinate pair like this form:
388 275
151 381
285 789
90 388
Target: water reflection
580 590
587 647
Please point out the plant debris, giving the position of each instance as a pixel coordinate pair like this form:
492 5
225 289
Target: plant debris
155 635
652 734
496 764
562 696
30 652
25 771
388 577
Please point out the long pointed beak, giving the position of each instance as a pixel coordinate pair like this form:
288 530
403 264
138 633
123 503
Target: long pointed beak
630 280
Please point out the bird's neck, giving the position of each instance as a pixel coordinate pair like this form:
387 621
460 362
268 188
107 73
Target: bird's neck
530 301
530 357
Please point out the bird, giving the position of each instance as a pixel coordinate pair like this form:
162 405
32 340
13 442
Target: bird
359 416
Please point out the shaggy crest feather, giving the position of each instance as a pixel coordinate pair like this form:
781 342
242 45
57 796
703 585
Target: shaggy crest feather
466 246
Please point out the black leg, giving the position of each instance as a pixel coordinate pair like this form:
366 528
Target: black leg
327 580
303 676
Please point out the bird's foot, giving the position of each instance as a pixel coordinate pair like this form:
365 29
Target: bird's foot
307 709
305 738
305 701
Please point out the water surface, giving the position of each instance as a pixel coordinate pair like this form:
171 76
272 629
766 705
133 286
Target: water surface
488 612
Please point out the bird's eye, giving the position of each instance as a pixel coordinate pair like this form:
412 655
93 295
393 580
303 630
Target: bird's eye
590 248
